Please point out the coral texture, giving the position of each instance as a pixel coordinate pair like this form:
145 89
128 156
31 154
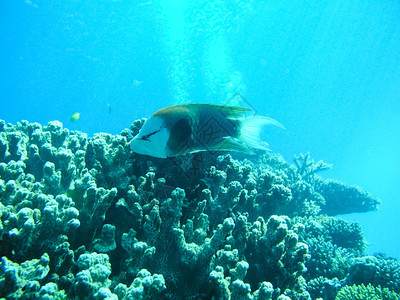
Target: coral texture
85 218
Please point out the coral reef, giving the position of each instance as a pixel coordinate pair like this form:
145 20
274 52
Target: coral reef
84 218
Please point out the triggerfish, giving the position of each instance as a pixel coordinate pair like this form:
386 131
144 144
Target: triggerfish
190 128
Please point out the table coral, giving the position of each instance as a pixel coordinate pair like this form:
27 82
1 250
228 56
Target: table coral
84 217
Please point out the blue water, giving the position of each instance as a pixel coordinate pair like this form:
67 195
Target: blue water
328 70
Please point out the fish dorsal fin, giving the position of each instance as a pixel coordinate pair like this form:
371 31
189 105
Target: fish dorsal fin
228 111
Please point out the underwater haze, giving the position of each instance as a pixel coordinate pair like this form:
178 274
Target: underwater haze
329 71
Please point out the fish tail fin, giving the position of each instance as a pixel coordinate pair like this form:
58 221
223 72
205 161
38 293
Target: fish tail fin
250 128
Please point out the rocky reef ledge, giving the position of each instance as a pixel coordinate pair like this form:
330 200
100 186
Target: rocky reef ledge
85 218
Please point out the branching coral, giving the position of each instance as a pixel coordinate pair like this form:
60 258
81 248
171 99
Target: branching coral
17 279
306 168
362 292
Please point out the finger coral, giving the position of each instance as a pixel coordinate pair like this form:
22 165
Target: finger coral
85 218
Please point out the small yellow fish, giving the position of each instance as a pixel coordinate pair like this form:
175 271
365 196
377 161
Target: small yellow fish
75 117
190 128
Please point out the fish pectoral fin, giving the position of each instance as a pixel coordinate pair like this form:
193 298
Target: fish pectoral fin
230 144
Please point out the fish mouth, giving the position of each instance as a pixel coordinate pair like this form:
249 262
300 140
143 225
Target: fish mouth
144 148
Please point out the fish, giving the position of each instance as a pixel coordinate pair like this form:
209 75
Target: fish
75 117
194 127
136 82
